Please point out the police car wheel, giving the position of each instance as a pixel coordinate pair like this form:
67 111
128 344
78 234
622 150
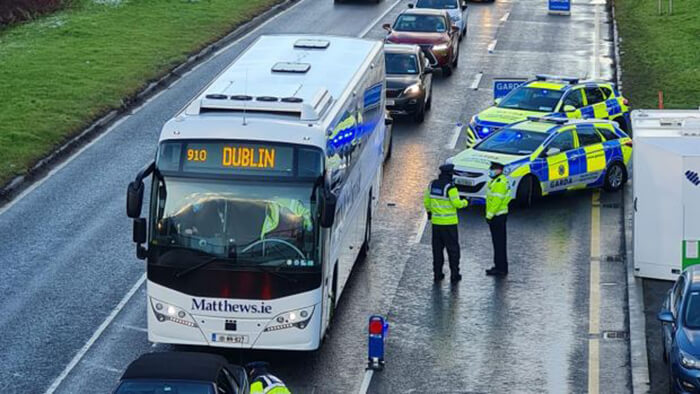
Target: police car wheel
528 192
615 177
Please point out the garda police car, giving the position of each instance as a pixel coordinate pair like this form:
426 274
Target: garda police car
544 155
555 96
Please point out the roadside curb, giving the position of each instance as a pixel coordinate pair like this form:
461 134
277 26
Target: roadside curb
19 183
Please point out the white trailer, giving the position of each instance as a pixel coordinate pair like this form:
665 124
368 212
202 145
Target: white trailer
666 186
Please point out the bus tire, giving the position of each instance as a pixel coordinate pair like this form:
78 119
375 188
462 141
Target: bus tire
364 251
331 313
390 148
528 192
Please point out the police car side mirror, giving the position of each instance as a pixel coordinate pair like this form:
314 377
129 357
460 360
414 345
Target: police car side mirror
497 101
569 108
552 152
328 205
134 199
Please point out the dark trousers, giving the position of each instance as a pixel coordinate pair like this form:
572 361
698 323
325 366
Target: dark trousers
445 237
497 225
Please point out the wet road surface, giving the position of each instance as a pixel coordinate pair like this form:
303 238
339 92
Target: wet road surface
67 259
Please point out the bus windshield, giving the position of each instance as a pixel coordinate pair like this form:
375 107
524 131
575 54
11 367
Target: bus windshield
248 222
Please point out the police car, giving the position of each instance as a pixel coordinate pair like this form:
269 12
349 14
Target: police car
551 95
544 155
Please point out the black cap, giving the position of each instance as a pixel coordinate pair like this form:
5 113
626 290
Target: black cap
447 169
496 166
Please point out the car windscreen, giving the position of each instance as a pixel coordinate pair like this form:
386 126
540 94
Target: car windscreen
420 23
439 4
401 63
164 386
512 142
692 310
532 99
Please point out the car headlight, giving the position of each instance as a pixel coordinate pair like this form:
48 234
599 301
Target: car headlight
166 312
455 18
441 47
507 170
298 318
412 90
689 361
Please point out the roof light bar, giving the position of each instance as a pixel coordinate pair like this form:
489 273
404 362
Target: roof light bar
548 77
548 119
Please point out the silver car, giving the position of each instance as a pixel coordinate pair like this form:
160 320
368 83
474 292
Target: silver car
456 8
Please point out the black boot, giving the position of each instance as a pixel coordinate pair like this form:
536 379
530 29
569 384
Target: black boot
438 277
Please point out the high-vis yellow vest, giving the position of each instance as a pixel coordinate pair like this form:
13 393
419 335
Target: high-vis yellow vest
497 196
268 385
442 202
272 214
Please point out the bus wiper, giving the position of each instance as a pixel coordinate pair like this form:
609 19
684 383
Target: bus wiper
193 268
277 273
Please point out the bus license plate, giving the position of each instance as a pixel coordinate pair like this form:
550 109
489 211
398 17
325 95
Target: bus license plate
228 338
464 182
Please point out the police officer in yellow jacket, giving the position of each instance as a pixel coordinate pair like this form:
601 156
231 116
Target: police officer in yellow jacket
441 200
497 199
263 382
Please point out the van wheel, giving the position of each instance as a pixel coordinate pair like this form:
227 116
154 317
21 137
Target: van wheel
615 177
528 192
364 251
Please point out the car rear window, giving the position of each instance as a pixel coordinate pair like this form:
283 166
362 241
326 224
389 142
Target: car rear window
439 4
608 134
420 23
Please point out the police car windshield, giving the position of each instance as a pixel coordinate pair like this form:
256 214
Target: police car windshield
439 4
401 63
255 223
512 142
420 23
532 99
692 311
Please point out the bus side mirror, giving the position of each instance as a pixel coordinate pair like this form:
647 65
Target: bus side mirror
140 231
134 199
328 204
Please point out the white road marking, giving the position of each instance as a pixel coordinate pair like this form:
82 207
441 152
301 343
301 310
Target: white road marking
594 300
100 366
455 136
96 335
505 17
492 45
421 228
365 381
377 19
477 80
130 327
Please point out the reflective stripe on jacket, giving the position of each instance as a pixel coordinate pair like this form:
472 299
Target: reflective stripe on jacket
497 196
442 200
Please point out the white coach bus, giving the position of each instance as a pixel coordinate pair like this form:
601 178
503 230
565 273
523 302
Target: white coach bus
263 189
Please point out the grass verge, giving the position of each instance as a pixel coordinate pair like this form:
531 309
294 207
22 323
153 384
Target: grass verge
61 72
660 52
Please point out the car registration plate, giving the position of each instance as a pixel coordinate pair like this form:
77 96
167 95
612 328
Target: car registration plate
228 338
390 102
465 182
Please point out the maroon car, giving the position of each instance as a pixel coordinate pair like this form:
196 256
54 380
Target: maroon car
432 31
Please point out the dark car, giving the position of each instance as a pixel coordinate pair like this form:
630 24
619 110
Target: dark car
680 317
409 83
431 30
183 372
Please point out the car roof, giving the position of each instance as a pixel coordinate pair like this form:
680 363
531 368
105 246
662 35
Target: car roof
401 48
424 11
176 365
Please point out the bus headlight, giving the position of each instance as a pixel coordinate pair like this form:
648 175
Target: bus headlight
166 312
298 318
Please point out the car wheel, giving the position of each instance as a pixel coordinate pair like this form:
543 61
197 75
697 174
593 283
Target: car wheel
455 62
429 103
615 177
419 116
528 192
446 71
389 149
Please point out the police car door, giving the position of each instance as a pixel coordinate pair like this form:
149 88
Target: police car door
572 103
561 161
592 145
595 104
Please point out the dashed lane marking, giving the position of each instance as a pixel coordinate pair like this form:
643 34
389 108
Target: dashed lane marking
456 131
594 300
477 80
492 46
365 381
421 229
505 17
377 19
96 335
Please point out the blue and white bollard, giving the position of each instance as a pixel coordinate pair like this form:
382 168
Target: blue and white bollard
377 337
